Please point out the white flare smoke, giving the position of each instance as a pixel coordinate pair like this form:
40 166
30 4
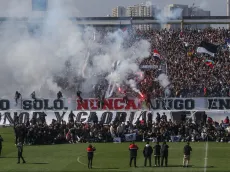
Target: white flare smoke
164 17
163 80
30 61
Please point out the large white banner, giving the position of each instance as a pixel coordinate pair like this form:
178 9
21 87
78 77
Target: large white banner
103 117
116 104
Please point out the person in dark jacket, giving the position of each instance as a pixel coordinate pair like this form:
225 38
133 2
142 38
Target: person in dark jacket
164 154
17 97
59 95
133 154
1 140
20 150
157 154
187 153
79 96
147 152
90 152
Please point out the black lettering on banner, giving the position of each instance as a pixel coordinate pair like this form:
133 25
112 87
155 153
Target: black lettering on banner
80 115
212 104
35 114
143 115
46 105
178 104
166 104
156 104
8 117
224 104
59 117
27 105
93 117
24 117
4 104
131 117
106 118
189 104
170 104
120 116
58 104
150 117
38 104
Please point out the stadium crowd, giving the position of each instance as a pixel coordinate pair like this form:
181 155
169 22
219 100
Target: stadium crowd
36 131
187 71
189 76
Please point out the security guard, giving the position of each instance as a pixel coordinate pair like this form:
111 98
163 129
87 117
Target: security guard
90 151
133 154
157 154
164 154
187 152
20 150
1 140
147 152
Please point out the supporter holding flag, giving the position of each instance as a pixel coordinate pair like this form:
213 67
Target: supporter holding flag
210 63
157 55
207 48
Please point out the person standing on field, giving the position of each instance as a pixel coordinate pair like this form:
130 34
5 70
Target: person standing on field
133 154
147 152
20 150
90 151
187 153
157 154
164 154
1 140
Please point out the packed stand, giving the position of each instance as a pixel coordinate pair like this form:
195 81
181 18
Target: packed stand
187 71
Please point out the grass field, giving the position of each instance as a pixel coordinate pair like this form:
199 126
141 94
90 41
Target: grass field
109 157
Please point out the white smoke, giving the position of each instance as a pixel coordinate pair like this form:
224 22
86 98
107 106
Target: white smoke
29 63
133 85
148 3
163 80
164 16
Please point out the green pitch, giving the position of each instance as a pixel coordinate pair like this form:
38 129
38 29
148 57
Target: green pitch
109 157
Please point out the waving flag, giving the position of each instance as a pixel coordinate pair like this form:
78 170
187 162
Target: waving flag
228 42
210 63
207 48
157 54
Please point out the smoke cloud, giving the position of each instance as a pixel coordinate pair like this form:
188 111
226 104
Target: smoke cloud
32 62
165 16
163 80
